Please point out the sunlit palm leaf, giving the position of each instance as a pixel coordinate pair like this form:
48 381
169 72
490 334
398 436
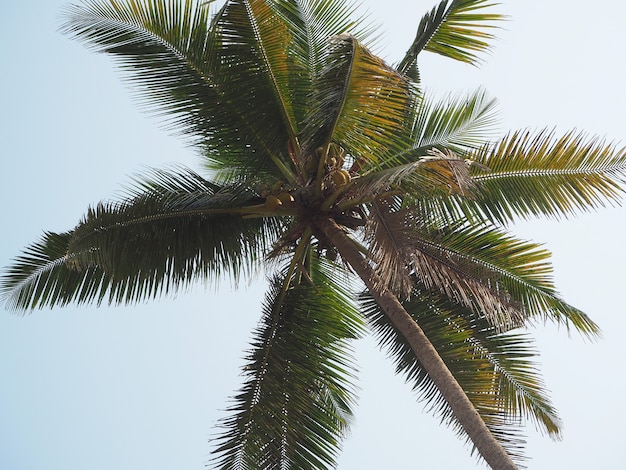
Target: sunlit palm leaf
313 22
182 228
274 43
295 405
458 123
495 370
434 175
358 102
457 29
533 174
256 72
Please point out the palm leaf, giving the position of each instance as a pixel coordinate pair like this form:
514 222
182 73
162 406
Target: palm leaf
313 22
255 72
428 179
506 264
533 174
495 370
295 404
184 66
457 123
400 244
182 228
358 102
457 29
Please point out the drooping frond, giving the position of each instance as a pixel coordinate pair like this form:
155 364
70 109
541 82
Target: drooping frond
496 370
507 265
435 266
295 405
210 77
538 174
358 102
179 229
389 246
457 29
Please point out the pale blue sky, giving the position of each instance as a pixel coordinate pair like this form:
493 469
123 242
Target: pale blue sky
142 387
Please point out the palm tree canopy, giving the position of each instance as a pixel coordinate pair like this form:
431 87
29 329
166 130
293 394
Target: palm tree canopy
299 123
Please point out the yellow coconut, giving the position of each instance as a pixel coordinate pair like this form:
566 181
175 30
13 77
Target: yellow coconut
272 203
339 178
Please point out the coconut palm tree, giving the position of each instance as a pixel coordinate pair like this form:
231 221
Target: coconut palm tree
370 205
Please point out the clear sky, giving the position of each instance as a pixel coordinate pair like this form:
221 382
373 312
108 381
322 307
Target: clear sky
142 387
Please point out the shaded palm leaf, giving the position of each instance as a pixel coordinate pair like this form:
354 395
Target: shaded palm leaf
295 404
532 174
457 29
495 370
180 60
180 229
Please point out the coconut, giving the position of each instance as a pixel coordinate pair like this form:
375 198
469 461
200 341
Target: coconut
286 199
272 203
339 178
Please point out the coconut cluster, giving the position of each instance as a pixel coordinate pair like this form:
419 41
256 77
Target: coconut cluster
338 175
335 176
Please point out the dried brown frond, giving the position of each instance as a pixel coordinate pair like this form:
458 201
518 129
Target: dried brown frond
390 246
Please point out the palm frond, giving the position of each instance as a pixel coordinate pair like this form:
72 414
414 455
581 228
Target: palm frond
258 78
538 174
358 102
179 229
295 405
508 265
457 123
313 22
182 63
273 44
496 370
400 245
390 249
430 177
457 29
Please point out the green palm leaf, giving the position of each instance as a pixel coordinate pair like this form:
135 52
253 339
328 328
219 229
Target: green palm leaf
457 29
185 67
295 405
182 228
313 22
533 174
496 370
358 102
458 123
254 73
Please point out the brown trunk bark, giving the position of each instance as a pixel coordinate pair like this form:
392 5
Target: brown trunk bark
493 453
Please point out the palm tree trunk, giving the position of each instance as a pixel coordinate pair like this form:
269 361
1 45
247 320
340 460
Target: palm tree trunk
493 453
